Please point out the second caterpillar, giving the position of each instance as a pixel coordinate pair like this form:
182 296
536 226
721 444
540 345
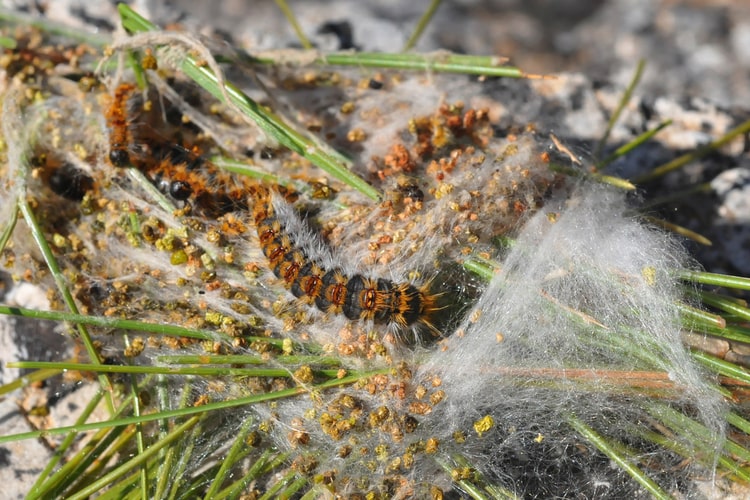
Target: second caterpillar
292 257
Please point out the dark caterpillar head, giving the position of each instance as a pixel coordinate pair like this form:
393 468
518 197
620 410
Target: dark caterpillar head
454 291
180 190
119 156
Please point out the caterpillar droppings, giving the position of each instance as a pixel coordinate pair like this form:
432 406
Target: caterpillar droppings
329 288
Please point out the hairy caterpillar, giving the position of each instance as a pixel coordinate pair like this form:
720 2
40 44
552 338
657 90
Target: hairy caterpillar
328 287
176 170
185 176
117 121
68 181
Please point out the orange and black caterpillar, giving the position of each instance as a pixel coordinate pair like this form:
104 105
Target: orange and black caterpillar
176 170
382 301
187 176
117 121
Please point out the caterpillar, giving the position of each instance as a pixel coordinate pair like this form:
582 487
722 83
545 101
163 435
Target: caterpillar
62 177
117 121
329 288
180 172
70 182
185 175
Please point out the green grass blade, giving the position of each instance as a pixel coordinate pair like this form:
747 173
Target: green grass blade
139 438
702 440
293 488
611 180
698 319
484 270
140 459
39 485
239 359
726 304
76 466
635 143
242 169
186 451
624 100
618 454
438 62
292 20
168 370
114 323
729 332
261 465
739 422
62 286
718 365
677 229
421 25
714 279
122 440
47 26
276 488
181 412
9 226
141 180
25 380
683 160
230 458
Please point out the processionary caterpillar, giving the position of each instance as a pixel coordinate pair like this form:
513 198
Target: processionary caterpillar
331 290
117 121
